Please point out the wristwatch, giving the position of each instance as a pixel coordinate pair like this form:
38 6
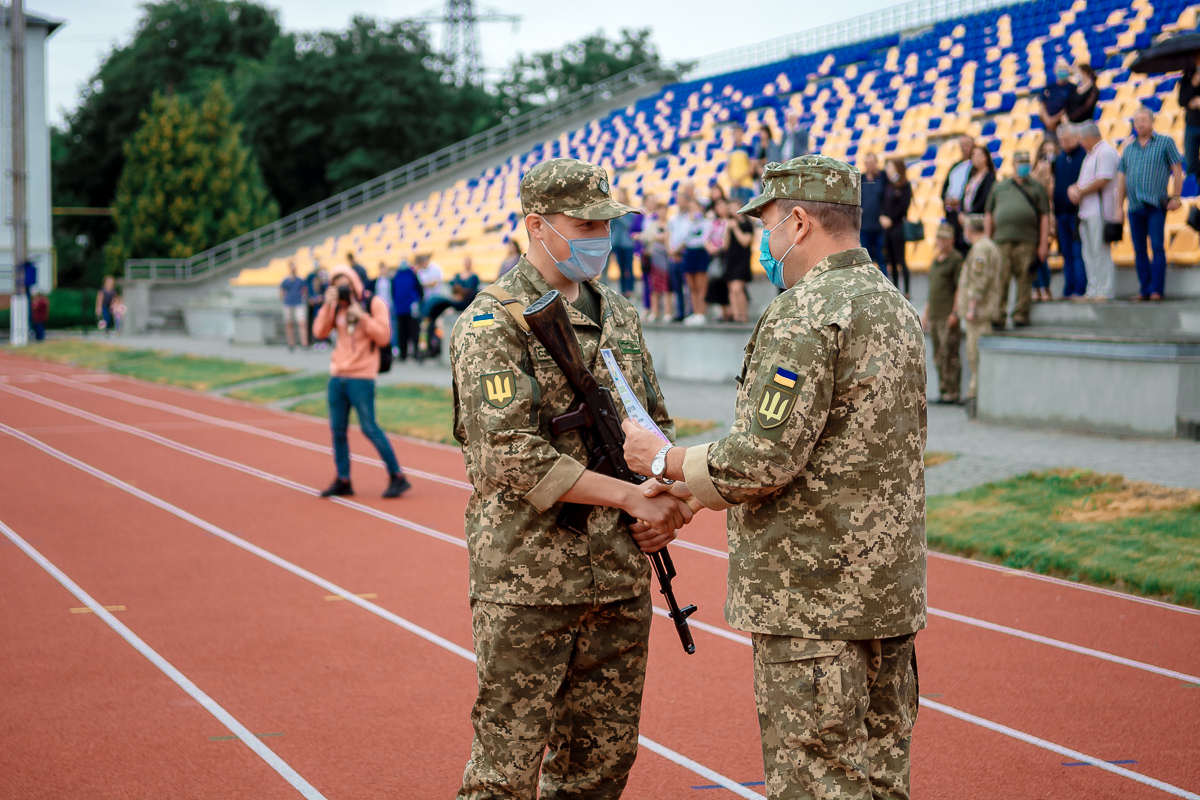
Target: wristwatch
659 465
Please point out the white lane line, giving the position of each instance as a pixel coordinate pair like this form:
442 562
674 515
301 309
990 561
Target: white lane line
1058 748
1066 584
239 730
427 531
333 588
243 428
77 383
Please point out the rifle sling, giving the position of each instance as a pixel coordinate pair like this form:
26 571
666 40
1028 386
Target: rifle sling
511 305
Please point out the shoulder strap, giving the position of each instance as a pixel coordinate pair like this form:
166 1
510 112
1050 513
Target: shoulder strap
510 303
1021 189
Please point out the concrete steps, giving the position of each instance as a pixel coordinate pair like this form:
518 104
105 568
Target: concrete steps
1170 316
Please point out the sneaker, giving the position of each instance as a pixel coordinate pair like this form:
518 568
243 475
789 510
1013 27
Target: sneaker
397 485
696 319
339 488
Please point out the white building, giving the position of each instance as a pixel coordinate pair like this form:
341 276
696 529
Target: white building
37 151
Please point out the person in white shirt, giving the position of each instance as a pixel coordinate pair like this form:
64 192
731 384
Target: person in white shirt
679 227
954 188
795 137
1096 195
696 259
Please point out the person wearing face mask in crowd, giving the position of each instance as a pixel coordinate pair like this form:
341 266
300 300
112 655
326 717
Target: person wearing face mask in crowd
823 477
561 622
1018 221
1057 98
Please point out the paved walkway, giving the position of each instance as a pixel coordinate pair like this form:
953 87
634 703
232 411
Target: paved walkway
985 452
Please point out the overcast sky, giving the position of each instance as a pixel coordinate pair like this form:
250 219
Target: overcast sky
683 29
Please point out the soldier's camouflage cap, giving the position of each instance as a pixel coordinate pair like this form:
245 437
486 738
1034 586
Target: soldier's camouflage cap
818 178
945 230
572 187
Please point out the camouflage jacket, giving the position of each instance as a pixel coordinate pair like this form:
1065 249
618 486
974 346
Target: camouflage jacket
823 465
981 281
506 391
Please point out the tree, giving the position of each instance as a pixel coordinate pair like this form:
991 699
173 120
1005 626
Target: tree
179 46
541 77
188 184
331 109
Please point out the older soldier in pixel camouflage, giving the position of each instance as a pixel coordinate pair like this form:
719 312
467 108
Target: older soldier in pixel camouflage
823 475
560 622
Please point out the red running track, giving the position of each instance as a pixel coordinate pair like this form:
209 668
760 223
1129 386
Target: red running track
362 708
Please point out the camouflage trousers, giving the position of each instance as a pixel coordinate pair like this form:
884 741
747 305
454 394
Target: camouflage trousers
836 716
1015 258
563 681
974 330
947 341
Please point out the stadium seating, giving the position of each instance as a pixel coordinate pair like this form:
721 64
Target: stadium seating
903 94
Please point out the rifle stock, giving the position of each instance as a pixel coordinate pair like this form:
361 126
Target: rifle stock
597 414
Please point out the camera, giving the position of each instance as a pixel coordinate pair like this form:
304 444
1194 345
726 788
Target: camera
343 294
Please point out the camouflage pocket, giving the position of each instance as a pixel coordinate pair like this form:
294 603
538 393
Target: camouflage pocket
806 688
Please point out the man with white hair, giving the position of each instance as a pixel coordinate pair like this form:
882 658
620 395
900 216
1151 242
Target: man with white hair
1148 161
1096 195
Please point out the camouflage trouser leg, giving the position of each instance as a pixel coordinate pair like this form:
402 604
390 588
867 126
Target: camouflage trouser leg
974 330
1015 258
566 678
836 717
947 341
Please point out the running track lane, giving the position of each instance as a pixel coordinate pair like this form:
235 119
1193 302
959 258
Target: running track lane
652 767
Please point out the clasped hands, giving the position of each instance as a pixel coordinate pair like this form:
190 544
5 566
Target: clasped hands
660 509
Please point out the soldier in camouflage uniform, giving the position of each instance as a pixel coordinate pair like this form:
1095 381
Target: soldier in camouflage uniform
941 317
560 621
822 473
981 292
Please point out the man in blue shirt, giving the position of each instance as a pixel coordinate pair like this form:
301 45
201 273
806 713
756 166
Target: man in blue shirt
406 300
874 183
1066 213
1147 163
1055 99
293 292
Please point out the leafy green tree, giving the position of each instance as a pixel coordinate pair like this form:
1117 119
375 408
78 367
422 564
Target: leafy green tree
188 184
545 76
179 46
328 110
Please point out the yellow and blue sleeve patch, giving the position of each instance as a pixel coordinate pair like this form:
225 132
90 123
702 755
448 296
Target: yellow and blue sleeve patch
482 320
785 378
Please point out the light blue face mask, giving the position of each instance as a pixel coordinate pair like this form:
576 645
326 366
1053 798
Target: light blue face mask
773 267
589 257
1023 170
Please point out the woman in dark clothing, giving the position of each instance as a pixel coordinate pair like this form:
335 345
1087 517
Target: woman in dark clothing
1189 101
1081 107
896 200
979 183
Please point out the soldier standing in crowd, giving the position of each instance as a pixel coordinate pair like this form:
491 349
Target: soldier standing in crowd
981 290
823 472
1018 221
940 317
560 622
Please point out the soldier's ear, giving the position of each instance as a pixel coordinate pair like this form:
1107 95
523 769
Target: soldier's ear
533 224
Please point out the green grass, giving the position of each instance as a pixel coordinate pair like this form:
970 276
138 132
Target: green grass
1062 523
281 390
194 372
685 428
423 412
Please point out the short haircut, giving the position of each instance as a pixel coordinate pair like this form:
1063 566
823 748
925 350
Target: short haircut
1087 130
1069 128
975 223
837 219
1147 110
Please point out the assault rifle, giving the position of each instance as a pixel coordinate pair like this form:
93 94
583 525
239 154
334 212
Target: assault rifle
596 415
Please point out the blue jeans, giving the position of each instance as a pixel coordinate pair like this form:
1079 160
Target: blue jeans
359 393
624 256
678 283
1191 149
1149 221
873 241
1074 276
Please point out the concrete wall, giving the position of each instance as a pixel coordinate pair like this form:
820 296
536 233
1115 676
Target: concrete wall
1123 388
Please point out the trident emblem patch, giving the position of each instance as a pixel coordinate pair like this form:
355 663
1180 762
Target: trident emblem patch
774 406
498 388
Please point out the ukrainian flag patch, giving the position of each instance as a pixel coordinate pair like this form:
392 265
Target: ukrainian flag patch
785 378
482 320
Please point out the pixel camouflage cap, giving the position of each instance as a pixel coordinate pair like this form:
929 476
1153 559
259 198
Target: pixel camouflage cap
572 187
820 179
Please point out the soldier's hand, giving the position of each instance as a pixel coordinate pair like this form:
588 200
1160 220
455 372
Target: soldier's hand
648 540
663 514
641 446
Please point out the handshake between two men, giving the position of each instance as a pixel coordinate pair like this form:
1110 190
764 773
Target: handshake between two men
668 505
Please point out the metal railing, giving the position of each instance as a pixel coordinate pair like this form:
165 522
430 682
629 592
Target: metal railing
909 16
183 269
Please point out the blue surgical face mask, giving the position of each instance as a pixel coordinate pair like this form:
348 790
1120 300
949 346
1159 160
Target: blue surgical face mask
1062 74
1023 170
589 257
773 267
